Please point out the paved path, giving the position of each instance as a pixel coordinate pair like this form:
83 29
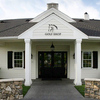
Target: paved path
53 90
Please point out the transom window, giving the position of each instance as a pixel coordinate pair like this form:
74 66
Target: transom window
18 59
87 59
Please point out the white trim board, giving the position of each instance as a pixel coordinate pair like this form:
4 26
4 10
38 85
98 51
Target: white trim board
52 11
94 38
9 37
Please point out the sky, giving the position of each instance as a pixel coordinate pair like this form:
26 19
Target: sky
15 9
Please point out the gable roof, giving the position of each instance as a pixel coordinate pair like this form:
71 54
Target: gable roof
16 27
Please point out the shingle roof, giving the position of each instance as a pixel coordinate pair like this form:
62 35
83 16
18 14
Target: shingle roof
16 27
89 27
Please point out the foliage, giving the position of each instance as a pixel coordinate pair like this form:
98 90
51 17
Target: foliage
25 89
81 89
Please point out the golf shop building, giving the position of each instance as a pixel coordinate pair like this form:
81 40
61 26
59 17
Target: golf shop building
50 46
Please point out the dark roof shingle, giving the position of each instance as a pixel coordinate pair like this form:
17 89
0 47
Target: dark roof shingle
89 27
14 27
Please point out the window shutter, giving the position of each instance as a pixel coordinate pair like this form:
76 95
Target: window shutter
10 58
95 59
24 59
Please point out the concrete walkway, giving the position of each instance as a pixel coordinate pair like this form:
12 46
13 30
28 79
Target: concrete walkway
53 90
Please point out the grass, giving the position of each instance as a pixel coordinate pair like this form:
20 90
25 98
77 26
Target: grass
25 89
81 89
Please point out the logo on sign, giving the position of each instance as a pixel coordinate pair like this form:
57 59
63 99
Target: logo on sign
52 27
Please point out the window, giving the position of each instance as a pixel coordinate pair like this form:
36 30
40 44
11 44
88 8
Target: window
87 59
18 60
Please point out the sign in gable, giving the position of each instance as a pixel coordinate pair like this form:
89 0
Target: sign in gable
51 30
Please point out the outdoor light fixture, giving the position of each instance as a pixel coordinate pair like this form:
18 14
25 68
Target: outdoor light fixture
31 56
52 47
74 56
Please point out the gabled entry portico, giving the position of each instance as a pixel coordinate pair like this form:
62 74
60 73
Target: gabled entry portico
53 28
77 66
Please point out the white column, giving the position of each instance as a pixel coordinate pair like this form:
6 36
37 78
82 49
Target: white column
35 69
28 80
77 80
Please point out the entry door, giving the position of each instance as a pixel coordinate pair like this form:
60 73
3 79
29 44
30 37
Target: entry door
52 64
58 65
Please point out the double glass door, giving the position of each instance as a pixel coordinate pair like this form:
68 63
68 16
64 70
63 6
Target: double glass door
52 64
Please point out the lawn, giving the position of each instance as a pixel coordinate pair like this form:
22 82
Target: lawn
81 89
25 89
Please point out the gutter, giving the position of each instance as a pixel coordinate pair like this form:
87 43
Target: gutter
93 38
12 37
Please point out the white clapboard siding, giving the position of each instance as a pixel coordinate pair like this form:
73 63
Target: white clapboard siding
61 28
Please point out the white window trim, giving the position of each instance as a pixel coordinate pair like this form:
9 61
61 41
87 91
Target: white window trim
91 60
22 60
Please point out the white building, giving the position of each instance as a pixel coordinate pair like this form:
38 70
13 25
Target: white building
25 47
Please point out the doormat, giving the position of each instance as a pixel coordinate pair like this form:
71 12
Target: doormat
50 79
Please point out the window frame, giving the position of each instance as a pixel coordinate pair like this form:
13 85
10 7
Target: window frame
91 59
22 67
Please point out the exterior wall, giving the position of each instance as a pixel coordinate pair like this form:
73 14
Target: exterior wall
14 72
72 61
86 72
90 72
67 46
10 73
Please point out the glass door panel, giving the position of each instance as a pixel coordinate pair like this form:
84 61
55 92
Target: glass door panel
57 59
47 68
47 60
40 62
65 64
